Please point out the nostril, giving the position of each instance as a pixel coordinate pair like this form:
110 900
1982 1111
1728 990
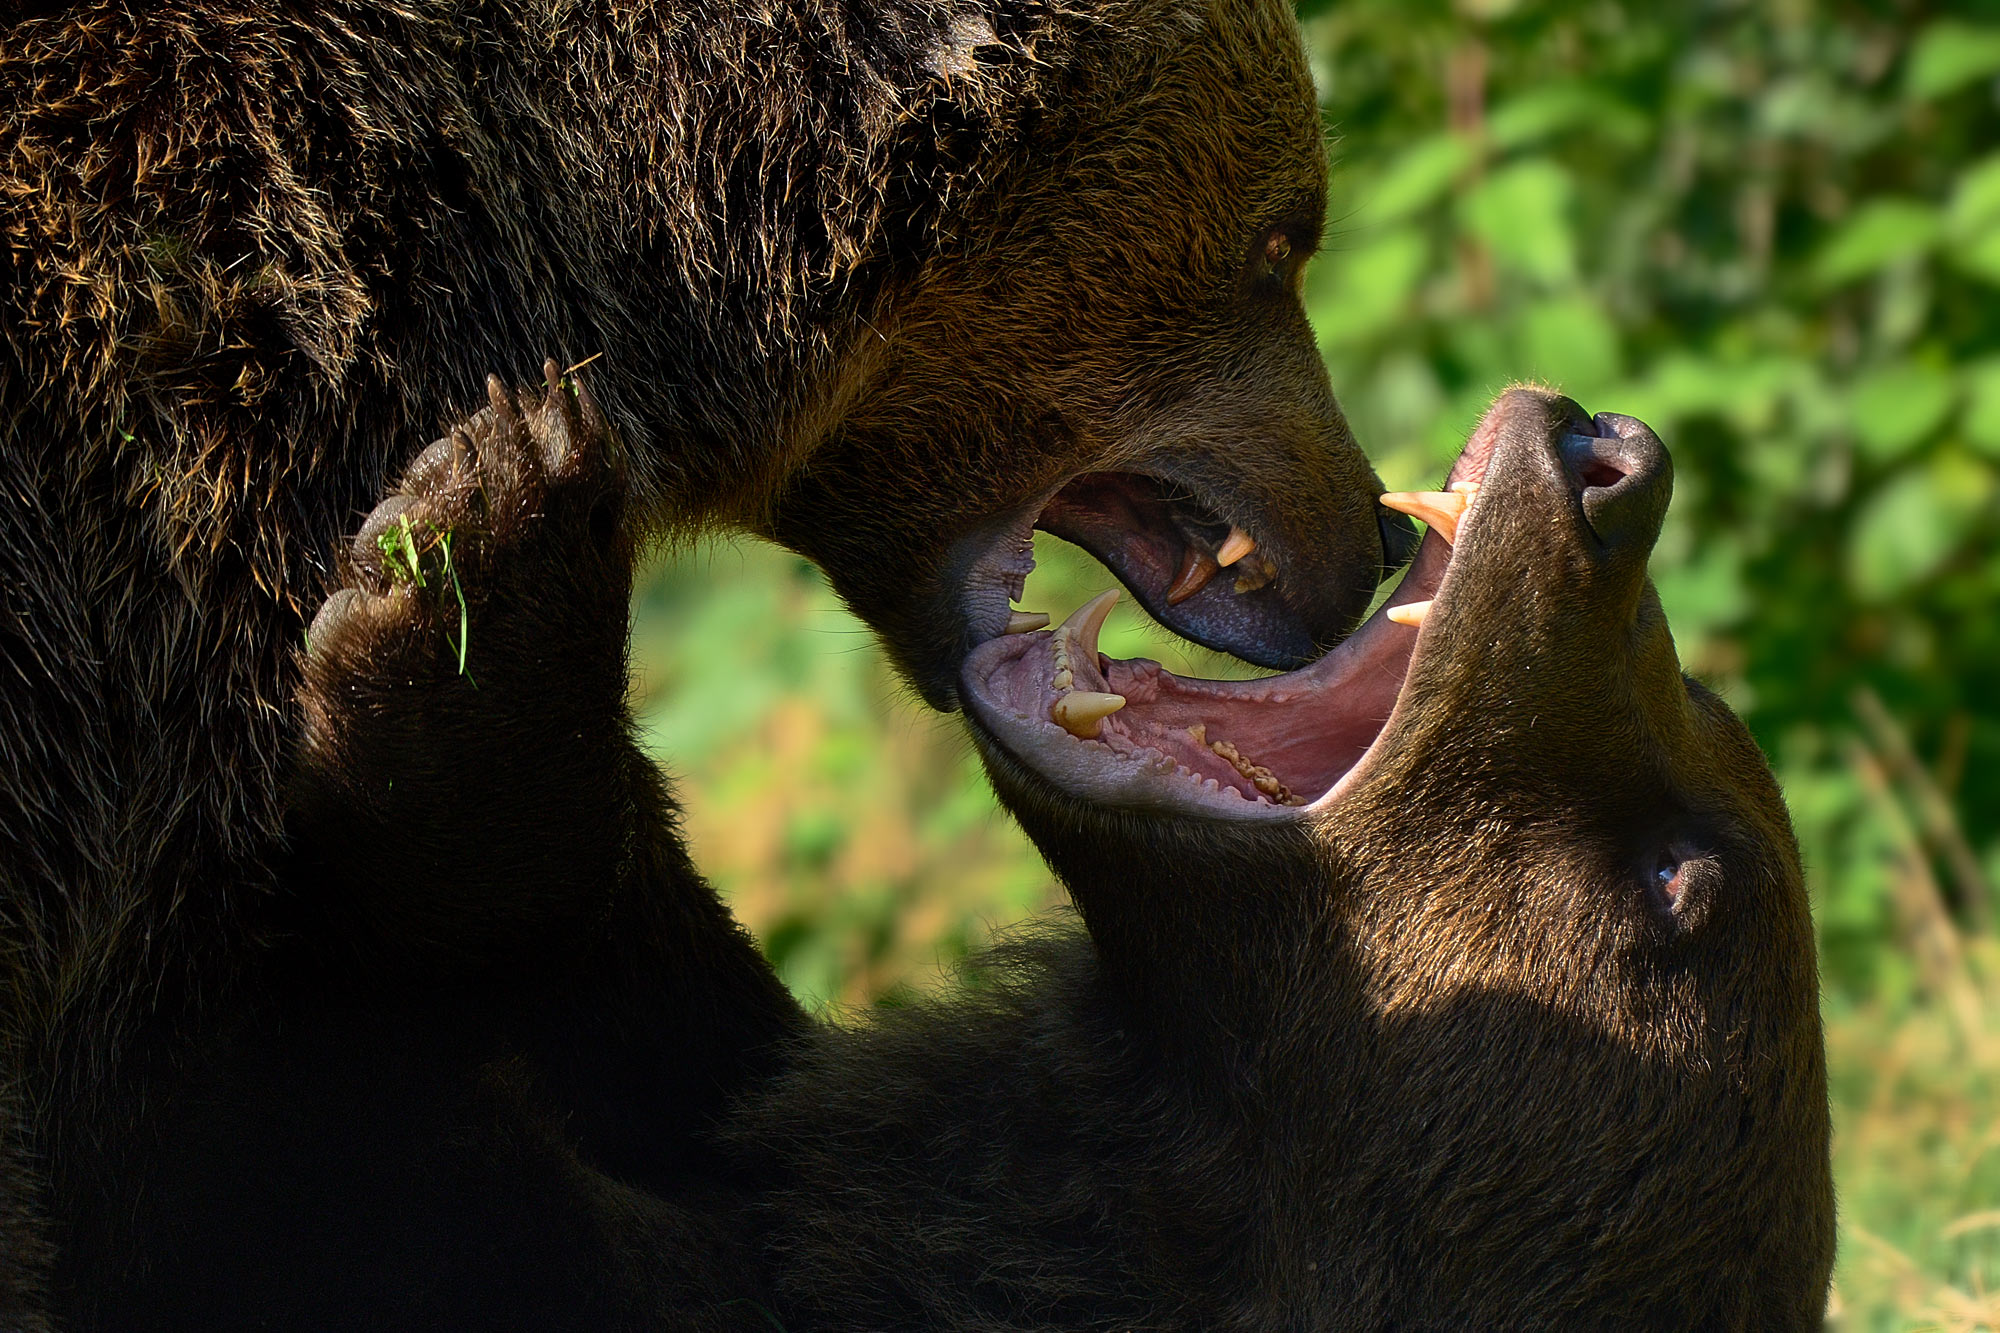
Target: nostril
1594 461
1598 472
1623 478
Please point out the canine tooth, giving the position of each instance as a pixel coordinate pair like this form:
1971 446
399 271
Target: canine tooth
1197 568
1409 613
1081 712
1440 509
1234 547
1022 622
1083 624
1465 488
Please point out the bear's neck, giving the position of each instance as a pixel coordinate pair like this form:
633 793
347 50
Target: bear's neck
744 195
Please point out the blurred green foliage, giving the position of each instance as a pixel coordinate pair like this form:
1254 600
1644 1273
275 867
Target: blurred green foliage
1771 230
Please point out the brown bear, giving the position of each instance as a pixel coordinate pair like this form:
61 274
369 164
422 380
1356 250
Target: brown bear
1463 979
892 281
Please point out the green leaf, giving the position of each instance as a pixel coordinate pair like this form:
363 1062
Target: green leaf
1879 233
1522 213
1356 294
1979 258
1418 177
1897 407
1681 384
1814 106
1975 200
1972 220
1912 525
1949 54
1572 343
1531 117
1706 593
1981 421
1753 393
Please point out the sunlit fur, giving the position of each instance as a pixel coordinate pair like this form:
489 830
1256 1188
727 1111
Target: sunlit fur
255 254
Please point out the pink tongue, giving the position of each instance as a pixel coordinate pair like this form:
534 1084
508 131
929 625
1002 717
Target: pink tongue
1293 736
1285 740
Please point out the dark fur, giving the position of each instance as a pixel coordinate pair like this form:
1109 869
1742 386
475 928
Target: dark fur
864 275
503 1005
1432 1061
24 1258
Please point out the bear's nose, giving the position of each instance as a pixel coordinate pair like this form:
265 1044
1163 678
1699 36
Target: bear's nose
1624 477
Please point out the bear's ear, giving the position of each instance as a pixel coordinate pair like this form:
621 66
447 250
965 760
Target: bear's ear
954 55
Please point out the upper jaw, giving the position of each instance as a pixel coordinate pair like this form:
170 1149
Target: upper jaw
1291 746
1215 570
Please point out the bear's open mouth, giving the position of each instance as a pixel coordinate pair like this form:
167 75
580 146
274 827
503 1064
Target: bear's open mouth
1193 571
1131 734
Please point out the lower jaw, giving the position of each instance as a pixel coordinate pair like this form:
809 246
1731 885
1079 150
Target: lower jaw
1128 734
1260 749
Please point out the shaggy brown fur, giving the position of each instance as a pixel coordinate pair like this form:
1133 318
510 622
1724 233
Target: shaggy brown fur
24 1257
1441 1056
904 265
501 1003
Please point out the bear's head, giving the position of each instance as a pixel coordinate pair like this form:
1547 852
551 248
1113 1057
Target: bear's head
1490 921
1106 341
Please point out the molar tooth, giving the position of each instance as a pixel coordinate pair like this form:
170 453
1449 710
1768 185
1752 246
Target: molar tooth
1082 712
1254 572
1234 547
1440 509
1022 622
1465 488
1197 568
1262 778
1409 613
1063 680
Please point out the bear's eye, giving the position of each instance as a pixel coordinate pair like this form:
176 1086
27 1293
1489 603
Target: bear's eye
1667 877
1277 258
